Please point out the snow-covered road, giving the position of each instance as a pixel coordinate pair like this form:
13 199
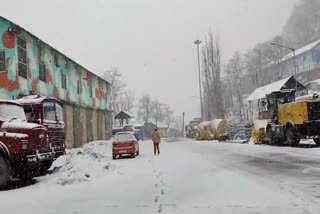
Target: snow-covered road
188 177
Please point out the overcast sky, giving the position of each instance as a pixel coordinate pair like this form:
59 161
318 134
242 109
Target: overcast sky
150 41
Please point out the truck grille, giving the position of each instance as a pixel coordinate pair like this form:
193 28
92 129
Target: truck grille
39 136
56 136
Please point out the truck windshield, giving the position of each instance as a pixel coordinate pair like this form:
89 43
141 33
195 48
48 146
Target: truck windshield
53 112
59 111
11 111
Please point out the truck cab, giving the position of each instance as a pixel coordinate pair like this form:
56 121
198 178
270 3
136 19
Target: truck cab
48 112
24 146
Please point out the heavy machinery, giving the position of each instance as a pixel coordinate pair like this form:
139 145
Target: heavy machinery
192 127
212 130
290 120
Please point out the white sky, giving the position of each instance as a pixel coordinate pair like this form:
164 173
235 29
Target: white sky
150 41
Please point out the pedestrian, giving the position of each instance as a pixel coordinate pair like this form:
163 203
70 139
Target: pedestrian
156 141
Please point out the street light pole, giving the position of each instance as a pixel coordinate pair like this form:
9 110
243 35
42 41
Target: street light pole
294 58
198 42
294 54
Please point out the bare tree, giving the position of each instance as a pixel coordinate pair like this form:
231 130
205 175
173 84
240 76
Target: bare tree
126 100
234 69
167 115
157 112
211 60
122 98
114 77
145 109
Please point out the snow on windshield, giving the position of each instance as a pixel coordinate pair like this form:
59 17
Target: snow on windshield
9 111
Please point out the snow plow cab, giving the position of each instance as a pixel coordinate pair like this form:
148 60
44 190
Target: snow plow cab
24 146
48 112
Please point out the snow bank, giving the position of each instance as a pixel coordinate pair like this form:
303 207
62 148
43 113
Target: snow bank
82 164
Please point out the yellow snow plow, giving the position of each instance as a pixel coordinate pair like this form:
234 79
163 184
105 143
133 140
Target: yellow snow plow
259 131
212 130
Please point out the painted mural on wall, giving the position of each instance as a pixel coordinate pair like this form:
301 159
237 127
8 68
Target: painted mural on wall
59 77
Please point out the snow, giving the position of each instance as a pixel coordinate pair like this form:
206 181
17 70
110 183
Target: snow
301 50
82 164
261 92
188 177
31 100
13 135
20 125
258 124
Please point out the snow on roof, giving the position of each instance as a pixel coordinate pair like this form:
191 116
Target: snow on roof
9 101
138 125
261 92
161 125
301 50
34 99
123 114
315 81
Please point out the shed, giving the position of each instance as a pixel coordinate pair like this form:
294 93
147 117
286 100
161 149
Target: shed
283 84
123 116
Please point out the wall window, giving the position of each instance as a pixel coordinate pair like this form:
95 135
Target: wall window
56 60
78 87
90 91
64 81
22 58
42 72
2 60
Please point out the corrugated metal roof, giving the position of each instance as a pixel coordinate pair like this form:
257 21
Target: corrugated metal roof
261 92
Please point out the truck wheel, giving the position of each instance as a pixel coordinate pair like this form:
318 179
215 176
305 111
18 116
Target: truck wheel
271 138
292 136
5 172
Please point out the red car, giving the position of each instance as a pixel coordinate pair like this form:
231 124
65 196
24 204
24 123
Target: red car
125 143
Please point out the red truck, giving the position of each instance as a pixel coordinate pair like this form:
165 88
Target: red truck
24 146
48 112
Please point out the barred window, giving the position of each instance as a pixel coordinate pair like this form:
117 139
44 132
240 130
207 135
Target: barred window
42 72
22 57
64 81
2 61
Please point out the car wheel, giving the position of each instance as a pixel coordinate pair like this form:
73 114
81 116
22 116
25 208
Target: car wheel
114 157
5 171
137 152
133 155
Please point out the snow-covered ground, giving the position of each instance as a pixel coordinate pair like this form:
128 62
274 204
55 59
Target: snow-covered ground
188 177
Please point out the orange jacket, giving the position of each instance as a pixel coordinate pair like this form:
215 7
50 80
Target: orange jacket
155 137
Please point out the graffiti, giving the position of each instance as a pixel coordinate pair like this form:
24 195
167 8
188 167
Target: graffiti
82 87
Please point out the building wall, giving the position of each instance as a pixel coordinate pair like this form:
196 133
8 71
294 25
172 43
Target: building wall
68 118
83 88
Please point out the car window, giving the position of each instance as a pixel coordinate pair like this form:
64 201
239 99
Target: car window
124 137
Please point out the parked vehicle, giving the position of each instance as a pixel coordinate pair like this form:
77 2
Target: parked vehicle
24 146
125 143
48 112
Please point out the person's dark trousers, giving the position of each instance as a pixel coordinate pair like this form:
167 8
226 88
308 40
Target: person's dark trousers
156 148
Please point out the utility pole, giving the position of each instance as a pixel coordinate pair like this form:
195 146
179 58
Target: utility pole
198 42
183 124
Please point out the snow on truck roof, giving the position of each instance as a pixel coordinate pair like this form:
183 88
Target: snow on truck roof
34 99
261 92
10 101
